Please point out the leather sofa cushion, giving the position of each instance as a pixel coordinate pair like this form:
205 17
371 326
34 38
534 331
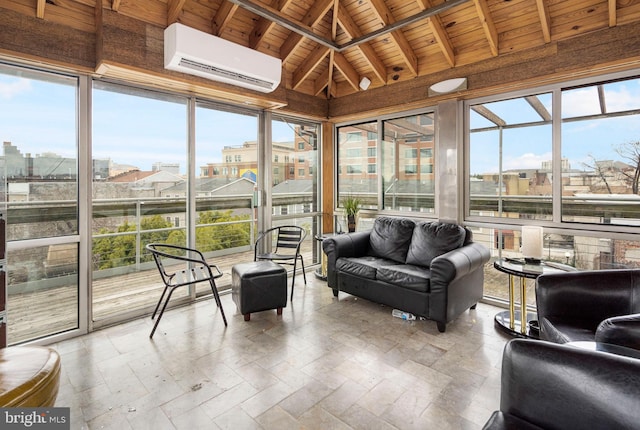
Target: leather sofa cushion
431 239
363 267
390 238
406 276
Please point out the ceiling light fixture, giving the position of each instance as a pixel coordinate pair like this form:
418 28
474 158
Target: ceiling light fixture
364 83
448 86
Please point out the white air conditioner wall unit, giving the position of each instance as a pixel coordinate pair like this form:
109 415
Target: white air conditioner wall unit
198 53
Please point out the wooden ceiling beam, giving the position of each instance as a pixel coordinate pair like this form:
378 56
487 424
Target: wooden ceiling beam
545 20
40 8
439 33
613 13
347 70
223 17
313 16
174 9
487 25
261 28
385 16
313 60
352 30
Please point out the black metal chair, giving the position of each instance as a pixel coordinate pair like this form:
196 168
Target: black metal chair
198 270
288 239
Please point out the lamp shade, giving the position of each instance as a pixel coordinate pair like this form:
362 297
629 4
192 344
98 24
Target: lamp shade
532 242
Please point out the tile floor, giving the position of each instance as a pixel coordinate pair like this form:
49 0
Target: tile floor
324 364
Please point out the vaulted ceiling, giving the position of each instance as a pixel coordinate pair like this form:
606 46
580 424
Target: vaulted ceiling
328 46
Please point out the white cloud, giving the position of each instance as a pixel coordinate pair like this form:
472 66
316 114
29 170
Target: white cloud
10 89
526 161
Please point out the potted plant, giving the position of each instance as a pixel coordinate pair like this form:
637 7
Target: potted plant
351 207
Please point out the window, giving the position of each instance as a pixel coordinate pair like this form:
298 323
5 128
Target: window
510 142
301 145
38 128
354 169
404 138
410 152
352 180
227 158
275 158
601 153
426 153
234 171
238 158
300 172
301 159
371 168
426 168
353 136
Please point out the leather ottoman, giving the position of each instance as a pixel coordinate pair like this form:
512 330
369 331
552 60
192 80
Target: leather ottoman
29 376
258 286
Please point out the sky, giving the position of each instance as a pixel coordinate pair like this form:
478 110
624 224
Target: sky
39 117
528 147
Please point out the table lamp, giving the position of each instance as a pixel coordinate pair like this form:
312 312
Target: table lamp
532 244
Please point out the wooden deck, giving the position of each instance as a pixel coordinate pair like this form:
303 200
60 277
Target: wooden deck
38 313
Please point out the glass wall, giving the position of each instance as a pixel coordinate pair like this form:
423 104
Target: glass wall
357 166
601 153
295 181
139 193
227 166
510 147
518 145
38 128
408 163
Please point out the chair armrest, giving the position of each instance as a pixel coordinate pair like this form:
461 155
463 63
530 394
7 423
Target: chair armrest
560 386
622 330
458 263
343 245
589 296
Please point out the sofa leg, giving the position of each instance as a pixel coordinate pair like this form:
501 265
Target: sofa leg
247 317
279 311
441 327
474 306
335 293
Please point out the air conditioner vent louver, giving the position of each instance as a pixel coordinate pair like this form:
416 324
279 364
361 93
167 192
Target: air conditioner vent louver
195 65
195 52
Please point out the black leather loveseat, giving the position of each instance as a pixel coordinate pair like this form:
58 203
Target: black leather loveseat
430 269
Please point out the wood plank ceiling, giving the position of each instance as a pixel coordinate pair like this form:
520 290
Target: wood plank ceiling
328 46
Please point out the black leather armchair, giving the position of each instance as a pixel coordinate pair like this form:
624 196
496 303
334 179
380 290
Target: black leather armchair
595 305
550 386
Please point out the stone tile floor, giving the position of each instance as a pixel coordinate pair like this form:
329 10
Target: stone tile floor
324 364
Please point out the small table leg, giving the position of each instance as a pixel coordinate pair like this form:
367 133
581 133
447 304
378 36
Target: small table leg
512 304
523 305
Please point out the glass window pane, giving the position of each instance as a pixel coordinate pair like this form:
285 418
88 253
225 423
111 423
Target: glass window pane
38 131
42 291
601 158
510 161
356 152
139 194
38 128
408 163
